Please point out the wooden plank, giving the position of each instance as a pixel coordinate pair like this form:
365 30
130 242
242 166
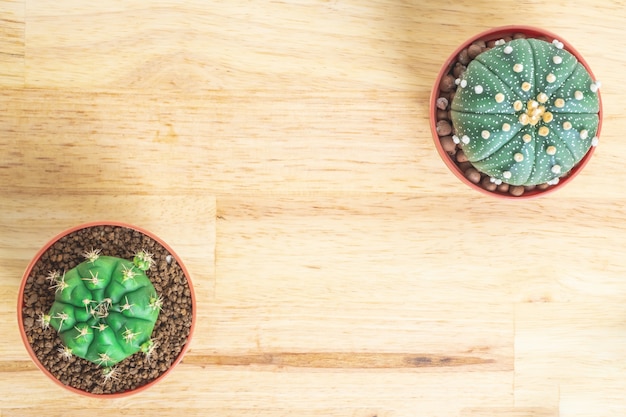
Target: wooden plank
214 142
124 45
415 249
247 390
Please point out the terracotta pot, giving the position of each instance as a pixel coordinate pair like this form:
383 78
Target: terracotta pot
21 304
490 35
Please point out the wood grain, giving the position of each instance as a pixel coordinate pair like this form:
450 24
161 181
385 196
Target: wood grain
12 43
339 360
283 150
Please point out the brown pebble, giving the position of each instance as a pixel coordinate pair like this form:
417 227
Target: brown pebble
473 175
442 114
519 36
460 156
464 57
491 44
473 51
29 322
481 43
503 188
487 184
443 128
32 299
516 190
530 187
543 186
442 103
448 144
458 70
464 166
447 83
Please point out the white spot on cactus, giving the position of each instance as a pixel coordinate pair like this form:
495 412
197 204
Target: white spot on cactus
551 150
456 139
519 157
496 181
506 127
485 134
550 78
463 83
595 86
567 125
499 98
527 138
559 45
594 141
478 89
508 49
559 103
584 134
578 95
457 81
553 181
556 169
557 59
506 175
518 67
465 139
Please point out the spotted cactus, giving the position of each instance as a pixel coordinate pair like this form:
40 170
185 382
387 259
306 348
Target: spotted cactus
105 309
525 112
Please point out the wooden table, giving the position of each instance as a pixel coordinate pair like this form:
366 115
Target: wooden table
282 148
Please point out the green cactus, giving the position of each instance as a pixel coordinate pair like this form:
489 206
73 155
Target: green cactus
105 309
525 112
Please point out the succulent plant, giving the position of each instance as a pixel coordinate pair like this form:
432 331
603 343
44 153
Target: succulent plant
525 112
105 309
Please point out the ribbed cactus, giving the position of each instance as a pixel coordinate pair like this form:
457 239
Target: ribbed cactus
105 309
525 112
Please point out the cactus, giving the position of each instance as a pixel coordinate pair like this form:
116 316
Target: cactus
525 112
104 310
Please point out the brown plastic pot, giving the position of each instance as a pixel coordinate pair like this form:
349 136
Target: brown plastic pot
21 304
490 35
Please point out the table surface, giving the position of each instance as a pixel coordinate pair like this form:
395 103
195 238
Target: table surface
283 150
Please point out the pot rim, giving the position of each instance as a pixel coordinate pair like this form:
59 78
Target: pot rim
20 304
488 35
